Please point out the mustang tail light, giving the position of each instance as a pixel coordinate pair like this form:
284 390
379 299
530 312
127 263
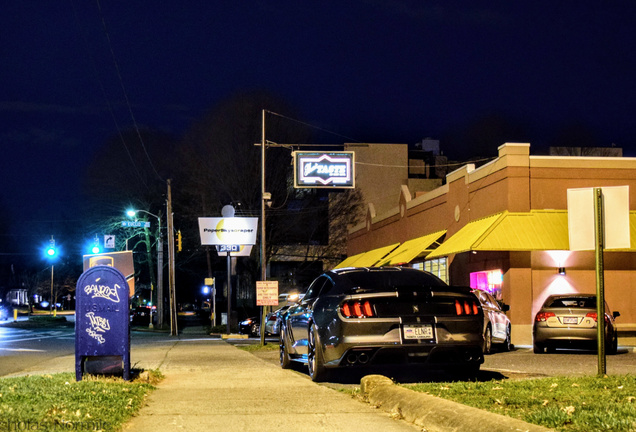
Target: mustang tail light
357 309
466 308
543 316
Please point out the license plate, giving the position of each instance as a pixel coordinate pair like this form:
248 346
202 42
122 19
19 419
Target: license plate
418 331
570 320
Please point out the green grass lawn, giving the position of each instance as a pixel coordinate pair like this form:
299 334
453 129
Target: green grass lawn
585 404
52 402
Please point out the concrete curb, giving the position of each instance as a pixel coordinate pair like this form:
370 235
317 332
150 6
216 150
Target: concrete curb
435 414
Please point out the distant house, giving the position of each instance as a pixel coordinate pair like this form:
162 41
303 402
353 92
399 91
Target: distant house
17 297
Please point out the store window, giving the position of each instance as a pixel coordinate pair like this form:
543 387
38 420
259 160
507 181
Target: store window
436 266
489 281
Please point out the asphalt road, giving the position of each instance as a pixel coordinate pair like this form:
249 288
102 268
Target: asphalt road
519 363
21 348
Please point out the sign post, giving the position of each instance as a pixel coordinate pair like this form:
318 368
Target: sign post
266 295
600 280
598 219
228 234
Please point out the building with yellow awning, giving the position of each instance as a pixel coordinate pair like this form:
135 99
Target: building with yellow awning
503 228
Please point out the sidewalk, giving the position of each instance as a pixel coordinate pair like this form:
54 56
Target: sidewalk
212 385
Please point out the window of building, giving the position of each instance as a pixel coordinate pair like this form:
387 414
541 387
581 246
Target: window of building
489 281
436 266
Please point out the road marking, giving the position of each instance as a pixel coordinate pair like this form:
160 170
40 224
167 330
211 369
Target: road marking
21 350
33 338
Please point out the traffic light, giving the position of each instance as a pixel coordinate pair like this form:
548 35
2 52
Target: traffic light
96 248
51 251
179 242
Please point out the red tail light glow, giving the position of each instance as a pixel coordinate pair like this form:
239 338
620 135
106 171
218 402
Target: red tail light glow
594 316
543 316
466 308
357 309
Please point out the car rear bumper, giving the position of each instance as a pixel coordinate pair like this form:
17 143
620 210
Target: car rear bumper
543 335
431 356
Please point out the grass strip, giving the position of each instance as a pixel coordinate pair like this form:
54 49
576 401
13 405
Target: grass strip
58 402
258 347
572 404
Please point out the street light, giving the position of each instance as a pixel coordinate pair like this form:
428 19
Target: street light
132 213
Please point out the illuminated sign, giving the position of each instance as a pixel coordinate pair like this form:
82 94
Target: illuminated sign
324 170
228 231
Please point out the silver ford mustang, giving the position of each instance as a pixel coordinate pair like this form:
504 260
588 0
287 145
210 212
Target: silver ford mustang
354 317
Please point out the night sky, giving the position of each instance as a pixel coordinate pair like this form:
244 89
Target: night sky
74 72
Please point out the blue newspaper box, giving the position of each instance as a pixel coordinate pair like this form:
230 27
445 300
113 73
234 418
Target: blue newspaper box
102 323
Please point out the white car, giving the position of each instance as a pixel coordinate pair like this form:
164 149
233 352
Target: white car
496 323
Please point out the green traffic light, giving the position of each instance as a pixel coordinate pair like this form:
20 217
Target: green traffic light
50 251
95 249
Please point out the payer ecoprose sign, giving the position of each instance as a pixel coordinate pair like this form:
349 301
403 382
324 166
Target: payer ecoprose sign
324 170
228 231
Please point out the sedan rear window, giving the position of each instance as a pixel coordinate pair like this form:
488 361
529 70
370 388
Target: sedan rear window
574 302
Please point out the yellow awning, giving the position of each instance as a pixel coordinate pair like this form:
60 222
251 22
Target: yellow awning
411 249
367 259
536 230
349 261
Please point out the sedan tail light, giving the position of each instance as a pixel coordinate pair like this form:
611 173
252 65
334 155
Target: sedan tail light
594 316
357 309
466 308
543 316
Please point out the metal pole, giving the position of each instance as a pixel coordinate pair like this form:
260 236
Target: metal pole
263 241
229 290
51 304
159 275
600 281
171 283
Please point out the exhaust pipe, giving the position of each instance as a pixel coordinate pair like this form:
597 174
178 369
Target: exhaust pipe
352 358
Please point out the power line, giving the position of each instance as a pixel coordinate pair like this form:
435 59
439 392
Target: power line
123 87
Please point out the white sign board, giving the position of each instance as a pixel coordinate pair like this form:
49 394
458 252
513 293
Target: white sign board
616 218
224 231
109 241
267 293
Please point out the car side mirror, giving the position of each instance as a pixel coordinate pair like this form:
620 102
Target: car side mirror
505 307
616 314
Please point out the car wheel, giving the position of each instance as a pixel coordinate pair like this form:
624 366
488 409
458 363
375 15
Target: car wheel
538 348
488 340
507 346
285 361
315 361
613 347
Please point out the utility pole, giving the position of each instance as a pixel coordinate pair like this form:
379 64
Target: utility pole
263 206
159 275
171 288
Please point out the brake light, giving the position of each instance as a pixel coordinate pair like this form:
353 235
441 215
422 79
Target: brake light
357 309
466 308
594 316
543 316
